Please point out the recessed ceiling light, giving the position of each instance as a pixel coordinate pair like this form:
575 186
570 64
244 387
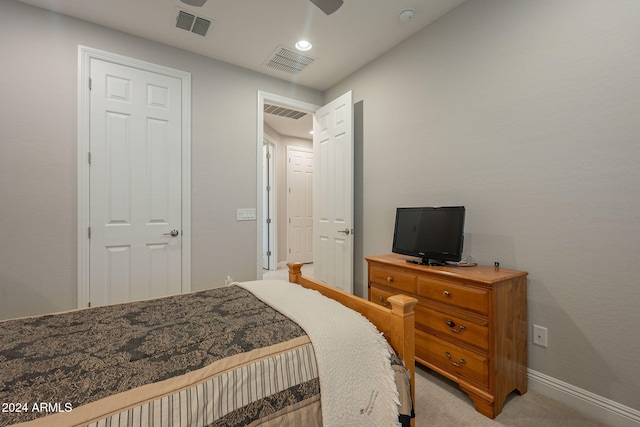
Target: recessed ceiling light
303 45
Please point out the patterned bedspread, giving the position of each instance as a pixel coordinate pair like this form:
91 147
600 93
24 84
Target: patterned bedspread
159 360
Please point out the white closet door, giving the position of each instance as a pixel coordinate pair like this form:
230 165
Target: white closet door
135 184
300 204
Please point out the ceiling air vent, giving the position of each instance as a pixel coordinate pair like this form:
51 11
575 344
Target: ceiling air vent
283 112
289 61
192 23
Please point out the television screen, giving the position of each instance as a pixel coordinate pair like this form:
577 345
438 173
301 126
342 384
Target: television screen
434 234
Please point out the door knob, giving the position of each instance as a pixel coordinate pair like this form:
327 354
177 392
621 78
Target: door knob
172 233
345 231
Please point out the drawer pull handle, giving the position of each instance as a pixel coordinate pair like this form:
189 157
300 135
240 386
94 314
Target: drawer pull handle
383 302
460 363
446 293
452 326
389 279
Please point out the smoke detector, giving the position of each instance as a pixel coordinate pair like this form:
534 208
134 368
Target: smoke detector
406 15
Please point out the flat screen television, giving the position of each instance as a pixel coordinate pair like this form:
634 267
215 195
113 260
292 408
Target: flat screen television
433 234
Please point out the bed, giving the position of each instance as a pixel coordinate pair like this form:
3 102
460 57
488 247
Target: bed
257 353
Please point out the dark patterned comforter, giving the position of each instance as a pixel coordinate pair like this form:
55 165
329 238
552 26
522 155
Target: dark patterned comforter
155 358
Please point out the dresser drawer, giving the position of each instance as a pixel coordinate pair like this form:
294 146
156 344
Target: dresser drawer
474 332
466 297
379 296
405 282
450 357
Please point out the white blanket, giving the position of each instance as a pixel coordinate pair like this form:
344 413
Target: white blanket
357 384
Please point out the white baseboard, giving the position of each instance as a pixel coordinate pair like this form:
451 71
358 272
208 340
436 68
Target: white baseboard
598 407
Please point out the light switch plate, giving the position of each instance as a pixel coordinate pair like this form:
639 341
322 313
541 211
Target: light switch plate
246 214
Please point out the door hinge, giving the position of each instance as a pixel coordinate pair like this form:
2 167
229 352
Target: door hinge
89 231
268 188
268 220
90 83
268 253
268 155
89 157
89 305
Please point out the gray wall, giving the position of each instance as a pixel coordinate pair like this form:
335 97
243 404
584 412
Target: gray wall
38 143
528 113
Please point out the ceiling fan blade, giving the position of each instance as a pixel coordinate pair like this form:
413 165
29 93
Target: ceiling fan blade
328 6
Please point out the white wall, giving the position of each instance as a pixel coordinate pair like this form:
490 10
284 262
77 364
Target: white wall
38 142
528 113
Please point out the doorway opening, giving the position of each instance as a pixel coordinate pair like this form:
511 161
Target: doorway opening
279 234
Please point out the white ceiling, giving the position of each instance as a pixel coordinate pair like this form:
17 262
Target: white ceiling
247 32
299 128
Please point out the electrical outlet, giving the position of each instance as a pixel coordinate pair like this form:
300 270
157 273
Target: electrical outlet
540 336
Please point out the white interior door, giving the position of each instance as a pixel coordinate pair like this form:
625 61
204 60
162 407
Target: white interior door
135 184
300 204
333 193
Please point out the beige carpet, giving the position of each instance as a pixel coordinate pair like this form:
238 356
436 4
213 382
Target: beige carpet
440 403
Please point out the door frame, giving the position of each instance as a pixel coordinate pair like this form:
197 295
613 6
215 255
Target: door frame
85 55
286 102
272 195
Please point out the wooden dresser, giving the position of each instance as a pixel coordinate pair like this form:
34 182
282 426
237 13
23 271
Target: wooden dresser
471 323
